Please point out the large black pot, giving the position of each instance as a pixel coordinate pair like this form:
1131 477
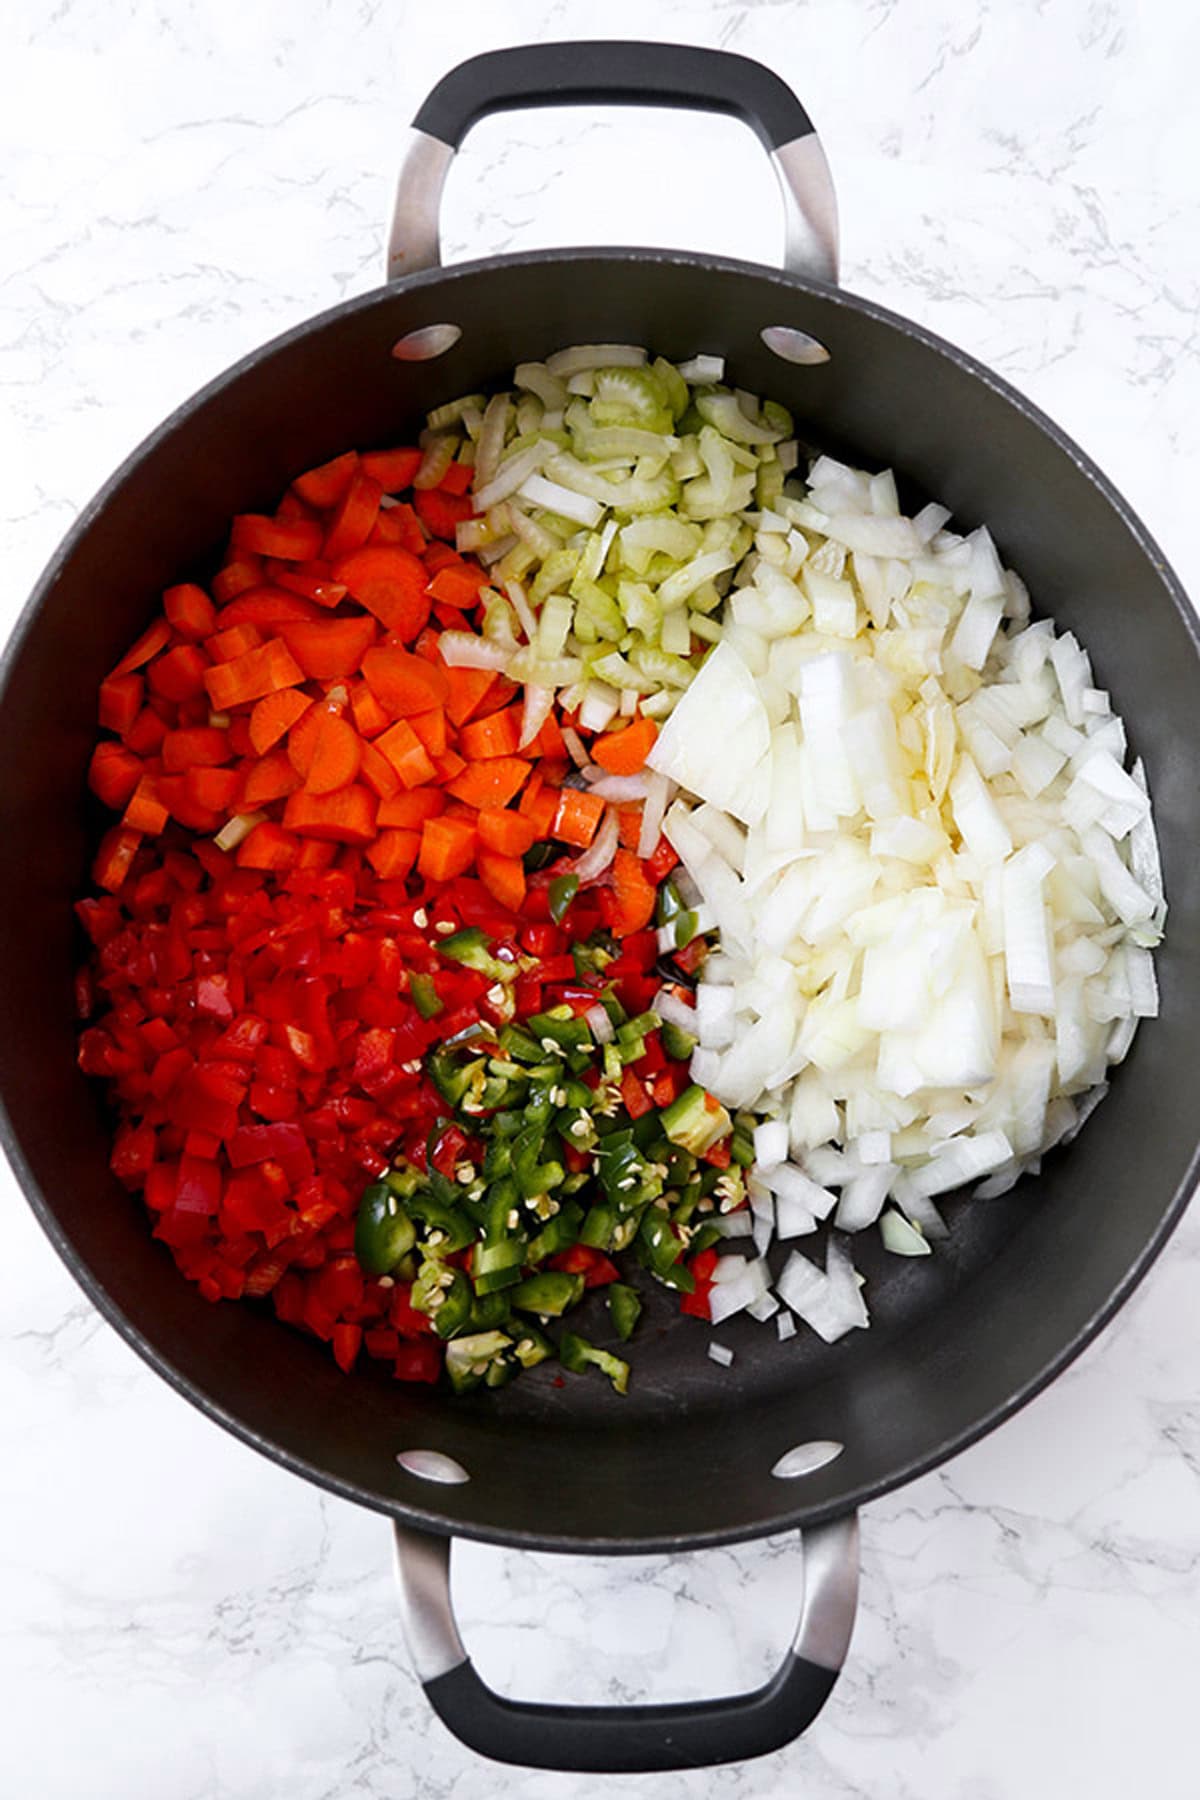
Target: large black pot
693 1455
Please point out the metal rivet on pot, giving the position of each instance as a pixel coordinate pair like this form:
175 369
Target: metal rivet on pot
432 1465
792 345
425 343
806 1459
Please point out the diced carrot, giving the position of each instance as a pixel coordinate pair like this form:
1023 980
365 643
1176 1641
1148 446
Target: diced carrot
252 675
294 540
399 524
447 848
329 649
354 517
549 741
173 792
198 746
449 765
216 789
409 811
270 779
407 754
502 876
239 735
113 773
467 688
274 715
291 508
392 469
457 479
118 848
336 757
155 638
497 735
492 783
625 752
120 702
379 774
393 854
440 512
507 833
310 580
629 826
227 646
314 855
266 606
240 573
145 812
635 896
369 716
428 643
189 610
268 846
145 736
439 556
430 727
576 817
539 804
347 817
498 696
403 683
325 485
390 582
179 673
458 584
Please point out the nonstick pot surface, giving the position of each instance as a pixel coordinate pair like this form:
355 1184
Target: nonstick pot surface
957 1340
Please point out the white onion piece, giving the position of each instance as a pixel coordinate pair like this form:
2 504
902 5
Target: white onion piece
770 1144
674 1011
719 1353
600 1025
599 854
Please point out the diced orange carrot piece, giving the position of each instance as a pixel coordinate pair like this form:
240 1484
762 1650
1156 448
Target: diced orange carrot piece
393 854
497 735
120 701
447 848
492 783
408 811
392 469
354 518
268 846
240 573
156 637
196 746
269 779
178 674
390 582
449 765
113 773
403 683
347 817
267 607
329 649
234 641
507 833
325 485
467 688
407 754
369 716
336 757
457 584
118 848
293 540
145 812
635 896
577 816
625 752
215 789
430 727
249 677
379 774
502 876
274 715
189 610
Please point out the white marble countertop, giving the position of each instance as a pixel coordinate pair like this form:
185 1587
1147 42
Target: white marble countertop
179 1620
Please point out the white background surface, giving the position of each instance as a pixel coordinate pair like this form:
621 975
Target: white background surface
179 1620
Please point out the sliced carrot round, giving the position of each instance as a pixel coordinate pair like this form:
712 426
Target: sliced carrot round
390 582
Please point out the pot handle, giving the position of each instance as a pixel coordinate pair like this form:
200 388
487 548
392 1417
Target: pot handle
692 1734
617 74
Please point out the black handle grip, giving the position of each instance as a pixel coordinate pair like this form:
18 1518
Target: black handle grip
622 1739
613 74
612 1740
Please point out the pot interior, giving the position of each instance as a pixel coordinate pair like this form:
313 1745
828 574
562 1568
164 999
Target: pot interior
956 1339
